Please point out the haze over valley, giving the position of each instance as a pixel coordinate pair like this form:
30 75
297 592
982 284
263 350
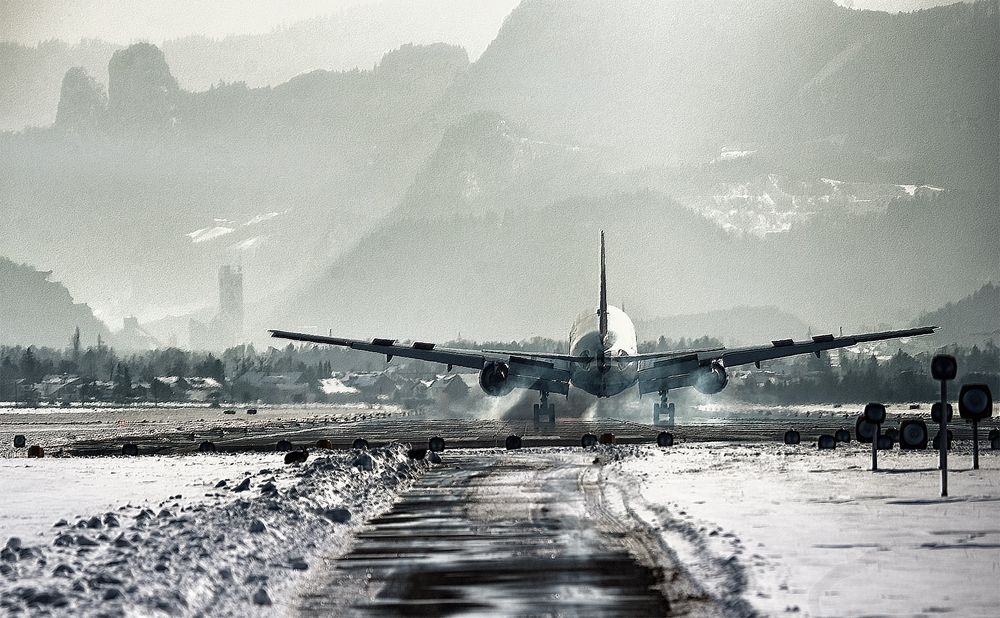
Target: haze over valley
836 166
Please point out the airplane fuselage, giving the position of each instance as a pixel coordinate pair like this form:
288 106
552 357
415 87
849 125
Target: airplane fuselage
603 377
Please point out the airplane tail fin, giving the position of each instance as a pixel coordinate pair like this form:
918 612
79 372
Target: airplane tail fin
602 311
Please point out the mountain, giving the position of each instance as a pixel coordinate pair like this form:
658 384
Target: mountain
157 186
735 326
352 38
821 88
772 153
974 319
36 311
512 257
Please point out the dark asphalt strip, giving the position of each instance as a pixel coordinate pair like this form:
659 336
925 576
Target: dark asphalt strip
493 534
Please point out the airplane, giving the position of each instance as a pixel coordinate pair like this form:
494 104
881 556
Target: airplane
603 359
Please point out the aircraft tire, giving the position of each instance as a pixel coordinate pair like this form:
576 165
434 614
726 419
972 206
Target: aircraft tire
436 444
843 435
665 439
360 444
826 441
588 440
513 443
792 437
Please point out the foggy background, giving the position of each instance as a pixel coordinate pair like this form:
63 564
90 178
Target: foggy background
437 169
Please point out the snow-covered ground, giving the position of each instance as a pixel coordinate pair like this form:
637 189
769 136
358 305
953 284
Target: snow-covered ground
794 530
189 535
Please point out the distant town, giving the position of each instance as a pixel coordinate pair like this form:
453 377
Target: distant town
98 375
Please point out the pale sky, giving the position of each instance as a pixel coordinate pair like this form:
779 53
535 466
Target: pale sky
123 21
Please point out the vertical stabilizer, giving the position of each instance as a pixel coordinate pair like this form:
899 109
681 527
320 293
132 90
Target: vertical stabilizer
602 311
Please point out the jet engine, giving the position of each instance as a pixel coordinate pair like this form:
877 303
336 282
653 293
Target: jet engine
494 379
711 379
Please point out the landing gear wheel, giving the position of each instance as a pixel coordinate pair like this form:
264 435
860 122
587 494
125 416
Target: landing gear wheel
826 441
665 439
792 437
513 443
663 412
545 410
588 440
360 444
843 435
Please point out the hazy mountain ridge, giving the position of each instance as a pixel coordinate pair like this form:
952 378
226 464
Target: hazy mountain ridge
286 180
733 326
507 267
36 311
973 319
163 185
350 39
671 81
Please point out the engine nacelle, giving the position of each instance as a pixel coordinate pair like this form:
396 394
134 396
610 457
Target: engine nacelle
711 379
495 379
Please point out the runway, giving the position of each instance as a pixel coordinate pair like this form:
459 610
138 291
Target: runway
381 428
503 534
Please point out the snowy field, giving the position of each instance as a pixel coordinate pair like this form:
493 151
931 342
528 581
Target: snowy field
797 531
182 535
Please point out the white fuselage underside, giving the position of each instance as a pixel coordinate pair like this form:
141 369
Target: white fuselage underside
603 377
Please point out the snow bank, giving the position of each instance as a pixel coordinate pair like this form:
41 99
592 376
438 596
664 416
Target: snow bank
236 549
791 529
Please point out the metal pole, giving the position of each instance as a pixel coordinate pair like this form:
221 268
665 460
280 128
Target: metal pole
975 445
878 430
943 437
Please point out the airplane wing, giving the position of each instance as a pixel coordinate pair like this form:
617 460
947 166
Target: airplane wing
683 370
646 356
787 347
536 373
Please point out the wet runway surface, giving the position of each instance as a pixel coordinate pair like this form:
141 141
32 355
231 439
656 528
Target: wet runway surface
495 534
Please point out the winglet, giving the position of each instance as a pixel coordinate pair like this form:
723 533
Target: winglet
602 311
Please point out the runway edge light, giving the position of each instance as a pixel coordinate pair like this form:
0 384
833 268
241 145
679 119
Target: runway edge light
975 403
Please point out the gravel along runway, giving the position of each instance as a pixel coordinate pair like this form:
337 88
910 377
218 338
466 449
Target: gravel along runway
492 533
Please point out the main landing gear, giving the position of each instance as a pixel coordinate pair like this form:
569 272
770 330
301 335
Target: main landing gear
546 410
663 412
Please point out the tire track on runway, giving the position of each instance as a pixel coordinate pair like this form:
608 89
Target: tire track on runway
500 534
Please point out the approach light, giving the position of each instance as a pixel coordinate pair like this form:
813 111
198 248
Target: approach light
975 402
936 412
944 367
875 413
